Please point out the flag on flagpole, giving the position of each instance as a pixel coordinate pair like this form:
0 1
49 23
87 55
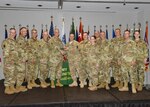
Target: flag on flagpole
133 32
76 37
63 35
6 34
51 30
19 29
146 40
28 36
94 29
80 31
41 31
106 32
113 32
72 27
100 28
88 30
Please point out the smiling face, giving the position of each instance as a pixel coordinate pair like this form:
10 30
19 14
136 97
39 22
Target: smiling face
103 35
34 33
45 35
23 32
126 34
92 40
12 33
137 34
56 32
71 37
117 33
85 36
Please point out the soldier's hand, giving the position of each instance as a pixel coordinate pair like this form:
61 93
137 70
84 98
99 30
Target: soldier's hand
145 60
133 63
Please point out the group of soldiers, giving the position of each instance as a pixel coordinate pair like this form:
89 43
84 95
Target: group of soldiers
92 59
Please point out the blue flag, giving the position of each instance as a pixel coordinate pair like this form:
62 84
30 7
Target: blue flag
113 33
51 30
76 37
106 33
41 33
6 34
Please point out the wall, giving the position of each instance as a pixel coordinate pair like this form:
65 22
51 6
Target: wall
43 17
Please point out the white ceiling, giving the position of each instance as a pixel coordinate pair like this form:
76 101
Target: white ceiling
70 5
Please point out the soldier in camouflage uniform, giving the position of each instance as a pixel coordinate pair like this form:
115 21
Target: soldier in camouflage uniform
56 58
128 62
10 56
22 60
116 68
32 63
104 62
92 51
43 55
73 56
83 64
98 39
142 53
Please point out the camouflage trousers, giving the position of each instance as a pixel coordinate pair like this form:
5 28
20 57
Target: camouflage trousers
83 68
140 68
92 72
104 72
43 71
9 74
21 73
116 70
74 68
31 72
129 73
56 69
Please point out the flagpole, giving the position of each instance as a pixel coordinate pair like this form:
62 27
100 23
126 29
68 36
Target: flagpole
120 28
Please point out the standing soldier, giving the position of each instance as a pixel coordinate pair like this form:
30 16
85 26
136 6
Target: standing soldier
142 53
83 72
10 56
32 60
56 58
92 51
128 61
43 55
116 68
22 59
104 62
98 39
73 58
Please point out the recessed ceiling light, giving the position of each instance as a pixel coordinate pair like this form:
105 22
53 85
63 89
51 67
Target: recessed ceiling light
107 7
39 5
136 7
7 4
78 6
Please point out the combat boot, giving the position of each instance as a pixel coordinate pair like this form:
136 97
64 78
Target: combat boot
102 85
133 89
59 84
107 86
120 85
125 87
34 84
81 84
140 87
8 90
43 85
90 83
92 88
74 84
52 84
13 88
21 89
29 86
115 85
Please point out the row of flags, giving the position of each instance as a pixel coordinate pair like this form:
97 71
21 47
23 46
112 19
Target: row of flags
79 34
